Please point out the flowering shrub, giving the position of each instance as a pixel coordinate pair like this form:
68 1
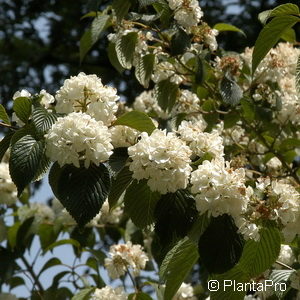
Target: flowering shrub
197 180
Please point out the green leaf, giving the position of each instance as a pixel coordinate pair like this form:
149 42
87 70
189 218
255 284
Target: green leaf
298 75
285 9
118 159
85 44
42 119
4 144
220 246
259 256
121 8
289 144
144 3
199 227
279 277
200 74
99 24
47 235
81 191
248 109
289 35
3 115
269 36
228 27
113 58
230 91
177 264
180 42
52 262
144 68
125 49
61 243
136 120
84 294
139 296
22 108
163 9
166 94
24 161
16 281
119 185
140 203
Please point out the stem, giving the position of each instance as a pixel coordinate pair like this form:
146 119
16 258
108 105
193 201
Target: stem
8 126
283 265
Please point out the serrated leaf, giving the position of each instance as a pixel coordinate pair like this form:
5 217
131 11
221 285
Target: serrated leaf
269 36
278 278
81 191
24 161
136 120
220 246
4 144
144 68
285 9
42 119
22 108
52 262
125 49
3 115
84 294
119 185
230 91
180 42
121 8
140 203
177 264
166 94
259 256
113 58
99 24
164 11
118 159
228 27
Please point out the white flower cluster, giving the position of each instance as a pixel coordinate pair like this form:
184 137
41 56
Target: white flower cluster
219 189
123 136
165 70
201 142
86 93
109 293
8 190
78 137
187 102
124 257
185 292
163 159
186 12
285 256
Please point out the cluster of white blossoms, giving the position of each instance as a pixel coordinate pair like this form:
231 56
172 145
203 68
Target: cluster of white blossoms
165 70
8 190
285 256
163 159
78 137
86 93
219 189
186 12
109 293
123 136
185 292
187 102
201 142
124 257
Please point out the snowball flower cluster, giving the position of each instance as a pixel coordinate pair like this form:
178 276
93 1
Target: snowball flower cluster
163 159
109 293
187 102
187 12
124 257
8 190
86 93
123 136
219 189
78 137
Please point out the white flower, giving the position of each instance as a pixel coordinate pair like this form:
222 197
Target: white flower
109 293
220 189
286 256
8 190
78 137
164 70
86 93
47 100
247 229
163 159
187 102
210 39
185 292
123 136
124 257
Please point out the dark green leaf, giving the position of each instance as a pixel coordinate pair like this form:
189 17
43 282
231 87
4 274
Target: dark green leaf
144 68
140 203
136 120
228 27
84 294
118 159
22 108
180 42
62 242
24 161
230 91
47 235
144 3
3 115
200 73
231 119
248 110
125 49
166 94
86 43
99 24
220 246
16 281
7 264
164 11
289 144
269 36
200 225
139 296
121 8
52 262
113 58
42 119
177 264
289 35
81 191
119 185
4 144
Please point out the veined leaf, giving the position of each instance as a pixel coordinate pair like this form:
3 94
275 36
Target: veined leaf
177 264
22 108
85 44
180 42
228 27
230 91
280 277
113 58
121 8
125 47
4 144
166 94
144 68
118 159
289 35
84 294
3 115
42 119
81 191
140 203
136 120
269 36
